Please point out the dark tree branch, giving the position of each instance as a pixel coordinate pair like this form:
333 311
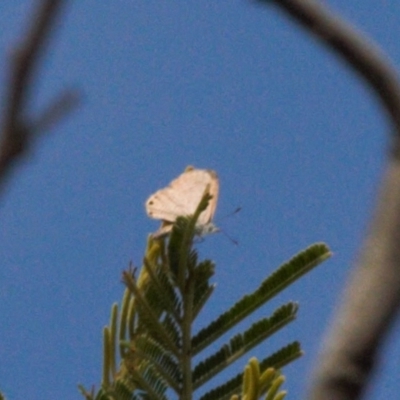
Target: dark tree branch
362 55
17 131
369 304
372 296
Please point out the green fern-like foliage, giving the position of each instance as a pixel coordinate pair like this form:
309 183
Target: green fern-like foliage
151 334
258 382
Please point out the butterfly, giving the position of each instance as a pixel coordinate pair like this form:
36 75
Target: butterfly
182 197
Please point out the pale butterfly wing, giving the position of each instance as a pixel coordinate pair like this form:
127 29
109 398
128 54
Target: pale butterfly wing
182 196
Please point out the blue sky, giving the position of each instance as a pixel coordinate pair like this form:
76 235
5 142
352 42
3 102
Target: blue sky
296 139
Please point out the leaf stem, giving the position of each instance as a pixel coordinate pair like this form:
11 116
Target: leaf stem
188 296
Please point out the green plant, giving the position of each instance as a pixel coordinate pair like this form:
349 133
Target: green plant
152 333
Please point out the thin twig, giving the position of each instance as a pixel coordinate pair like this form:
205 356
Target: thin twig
372 296
17 131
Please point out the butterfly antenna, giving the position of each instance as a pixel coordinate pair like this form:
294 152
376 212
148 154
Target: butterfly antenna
234 241
232 213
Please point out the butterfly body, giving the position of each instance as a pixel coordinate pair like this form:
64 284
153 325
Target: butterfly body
182 197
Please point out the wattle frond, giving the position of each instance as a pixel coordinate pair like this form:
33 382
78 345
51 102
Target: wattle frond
149 381
283 356
202 287
242 343
163 290
233 386
256 384
172 330
202 294
163 362
150 318
124 320
280 279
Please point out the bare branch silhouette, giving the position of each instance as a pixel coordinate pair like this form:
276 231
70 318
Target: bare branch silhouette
17 130
360 54
372 295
